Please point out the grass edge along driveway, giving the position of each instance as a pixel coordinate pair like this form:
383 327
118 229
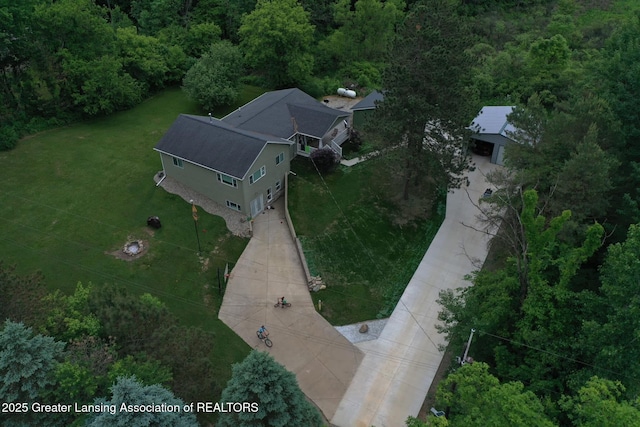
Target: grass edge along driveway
350 240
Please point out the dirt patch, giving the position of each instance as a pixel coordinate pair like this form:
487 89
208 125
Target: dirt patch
340 102
205 264
410 210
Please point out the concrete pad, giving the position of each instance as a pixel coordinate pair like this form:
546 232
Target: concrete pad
323 361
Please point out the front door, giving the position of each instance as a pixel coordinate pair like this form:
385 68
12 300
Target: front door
257 205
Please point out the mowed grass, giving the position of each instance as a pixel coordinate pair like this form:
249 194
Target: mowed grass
72 196
349 239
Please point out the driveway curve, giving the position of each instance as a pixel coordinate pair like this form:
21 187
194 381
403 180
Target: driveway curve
398 368
323 361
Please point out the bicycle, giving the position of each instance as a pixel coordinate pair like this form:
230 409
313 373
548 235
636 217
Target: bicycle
279 304
264 338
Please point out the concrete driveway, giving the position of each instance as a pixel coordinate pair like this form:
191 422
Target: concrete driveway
323 361
398 368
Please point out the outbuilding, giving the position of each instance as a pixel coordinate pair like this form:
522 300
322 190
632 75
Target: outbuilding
492 131
364 109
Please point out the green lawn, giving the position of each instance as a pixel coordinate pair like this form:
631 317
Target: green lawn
71 196
349 239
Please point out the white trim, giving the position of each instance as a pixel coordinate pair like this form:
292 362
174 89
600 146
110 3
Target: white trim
263 172
235 208
234 181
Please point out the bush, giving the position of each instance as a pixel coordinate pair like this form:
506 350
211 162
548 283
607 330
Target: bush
325 159
317 87
8 138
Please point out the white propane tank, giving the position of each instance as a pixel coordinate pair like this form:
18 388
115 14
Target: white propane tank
346 92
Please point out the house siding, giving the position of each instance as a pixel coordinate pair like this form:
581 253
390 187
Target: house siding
274 173
205 181
202 180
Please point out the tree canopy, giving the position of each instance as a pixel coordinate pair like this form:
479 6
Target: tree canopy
276 38
259 378
426 104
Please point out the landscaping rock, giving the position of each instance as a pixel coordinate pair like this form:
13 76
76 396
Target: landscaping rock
364 328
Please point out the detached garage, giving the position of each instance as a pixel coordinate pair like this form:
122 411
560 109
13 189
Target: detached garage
492 132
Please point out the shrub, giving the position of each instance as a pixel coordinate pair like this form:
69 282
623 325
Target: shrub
8 138
325 159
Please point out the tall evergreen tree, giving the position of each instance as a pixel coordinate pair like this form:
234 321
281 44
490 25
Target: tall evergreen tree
260 379
130 392
426 105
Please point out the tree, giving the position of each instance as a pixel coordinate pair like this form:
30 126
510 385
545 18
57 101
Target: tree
214 79
477 398
366 29
599 403
23 297
227 14
127 390
529 304
143 58
552 151
144 326
100 86
27 362
611 330
69 317
260 379
426 107
277 40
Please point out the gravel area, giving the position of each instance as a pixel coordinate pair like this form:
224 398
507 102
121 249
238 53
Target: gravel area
340 102
236 222
352 332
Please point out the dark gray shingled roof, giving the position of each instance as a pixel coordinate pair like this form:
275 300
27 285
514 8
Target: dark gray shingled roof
214 144
369 101
284 112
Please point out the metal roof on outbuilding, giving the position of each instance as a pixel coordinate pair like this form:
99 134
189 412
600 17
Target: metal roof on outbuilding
493 120
216 145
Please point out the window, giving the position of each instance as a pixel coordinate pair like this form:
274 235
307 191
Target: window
233 205
257 175
278 186
269 195
177 162
279 158
227 180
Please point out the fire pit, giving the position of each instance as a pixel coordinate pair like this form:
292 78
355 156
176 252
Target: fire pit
133 248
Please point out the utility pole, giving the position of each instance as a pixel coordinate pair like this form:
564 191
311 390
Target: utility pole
466 350
194 213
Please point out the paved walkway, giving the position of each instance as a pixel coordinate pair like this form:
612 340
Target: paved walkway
398 368
323 360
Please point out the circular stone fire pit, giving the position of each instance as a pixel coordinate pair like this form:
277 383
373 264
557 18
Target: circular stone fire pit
133 247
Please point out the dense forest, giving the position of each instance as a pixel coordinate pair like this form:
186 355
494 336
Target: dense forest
556 310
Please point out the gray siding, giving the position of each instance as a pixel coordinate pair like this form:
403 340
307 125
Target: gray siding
202 180
273 173
205 181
